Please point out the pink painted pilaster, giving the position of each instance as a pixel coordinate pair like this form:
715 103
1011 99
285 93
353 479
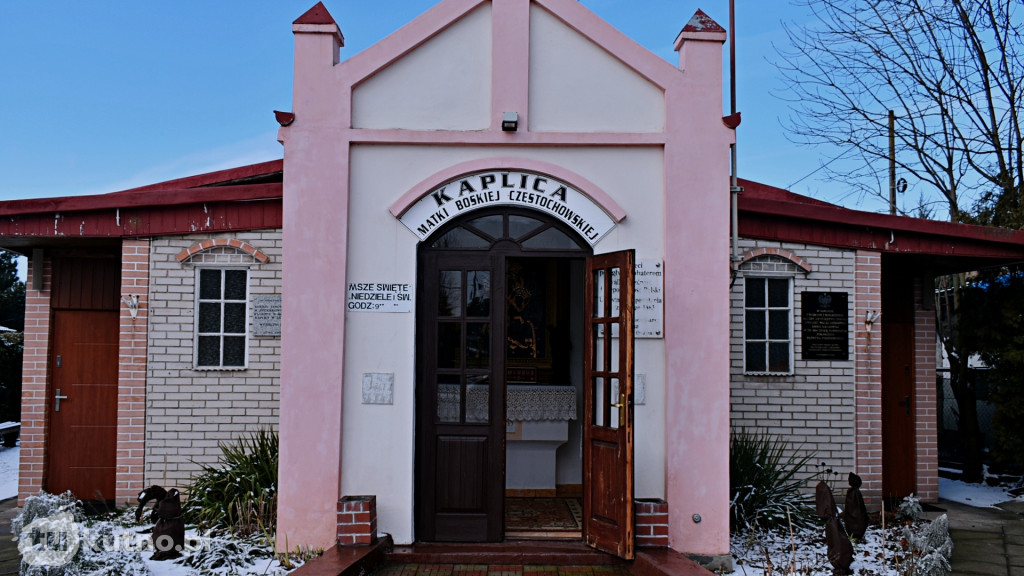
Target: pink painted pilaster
131 376
510 61
34 374
868 379
926 416
697 285
316 164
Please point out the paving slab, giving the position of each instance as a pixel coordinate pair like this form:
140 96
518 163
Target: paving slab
10 559
986 541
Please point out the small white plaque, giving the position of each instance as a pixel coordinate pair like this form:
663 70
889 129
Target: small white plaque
379 297
378 388
640 389
266 315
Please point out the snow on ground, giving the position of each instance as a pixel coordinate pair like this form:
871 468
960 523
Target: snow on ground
977 495
878 554
9 472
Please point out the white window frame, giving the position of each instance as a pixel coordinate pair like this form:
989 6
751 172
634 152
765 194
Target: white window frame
195 330
790 308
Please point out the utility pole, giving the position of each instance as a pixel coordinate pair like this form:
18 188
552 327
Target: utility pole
892 162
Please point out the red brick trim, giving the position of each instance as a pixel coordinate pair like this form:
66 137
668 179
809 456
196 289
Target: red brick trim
131 395
651 523
35 371
926 413
781 253
357 520
868 375
131 379
222 242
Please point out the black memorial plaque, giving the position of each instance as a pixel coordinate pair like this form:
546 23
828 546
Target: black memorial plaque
825 332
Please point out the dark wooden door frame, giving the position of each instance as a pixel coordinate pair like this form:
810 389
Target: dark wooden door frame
430 259
473 513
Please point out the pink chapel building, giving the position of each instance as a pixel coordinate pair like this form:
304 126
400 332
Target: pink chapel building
494 263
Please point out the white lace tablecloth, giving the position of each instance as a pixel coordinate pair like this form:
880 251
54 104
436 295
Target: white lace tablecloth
526 403
523 403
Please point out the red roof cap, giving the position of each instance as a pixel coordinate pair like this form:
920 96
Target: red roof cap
701 22
316 15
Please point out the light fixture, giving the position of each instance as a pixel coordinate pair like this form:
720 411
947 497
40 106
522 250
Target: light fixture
132 303
870 317
510 121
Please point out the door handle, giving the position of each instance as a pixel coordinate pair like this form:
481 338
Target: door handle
57 398
621 405
906 403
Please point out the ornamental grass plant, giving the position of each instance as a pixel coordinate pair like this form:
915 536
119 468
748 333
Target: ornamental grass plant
763 483
239 493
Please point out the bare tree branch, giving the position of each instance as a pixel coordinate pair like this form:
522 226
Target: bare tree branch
952 71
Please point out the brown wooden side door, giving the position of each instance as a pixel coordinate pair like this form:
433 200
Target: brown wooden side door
83 404
608 423
460 456
899 459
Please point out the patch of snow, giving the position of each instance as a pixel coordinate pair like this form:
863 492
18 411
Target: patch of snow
804 552
977 495
117 545
9 472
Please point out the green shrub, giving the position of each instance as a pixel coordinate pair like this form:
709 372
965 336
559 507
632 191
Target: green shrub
240 493
763 485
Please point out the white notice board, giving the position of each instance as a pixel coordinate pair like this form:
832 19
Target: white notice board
649 299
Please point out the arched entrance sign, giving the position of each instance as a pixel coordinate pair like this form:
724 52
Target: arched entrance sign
493 188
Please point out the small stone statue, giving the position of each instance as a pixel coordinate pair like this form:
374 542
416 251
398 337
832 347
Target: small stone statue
154 493
840 550
855 513
169 531
824 502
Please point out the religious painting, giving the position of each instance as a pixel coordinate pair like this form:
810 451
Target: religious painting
525 295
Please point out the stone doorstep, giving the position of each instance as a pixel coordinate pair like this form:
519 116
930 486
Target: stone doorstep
348 560
665 562
508 553
360 560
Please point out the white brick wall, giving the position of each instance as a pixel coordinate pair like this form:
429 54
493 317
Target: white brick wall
813 409
189 412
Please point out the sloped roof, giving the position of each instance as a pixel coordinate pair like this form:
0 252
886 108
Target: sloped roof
243 198
249 198
771 213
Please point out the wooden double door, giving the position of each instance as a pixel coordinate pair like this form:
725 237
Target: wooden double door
471 329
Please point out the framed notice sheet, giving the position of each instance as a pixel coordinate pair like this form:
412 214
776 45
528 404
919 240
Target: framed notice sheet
825 332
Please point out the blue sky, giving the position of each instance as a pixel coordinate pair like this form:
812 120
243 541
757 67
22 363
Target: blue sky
103 96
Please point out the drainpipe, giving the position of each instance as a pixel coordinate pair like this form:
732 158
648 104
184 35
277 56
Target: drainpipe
734 187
